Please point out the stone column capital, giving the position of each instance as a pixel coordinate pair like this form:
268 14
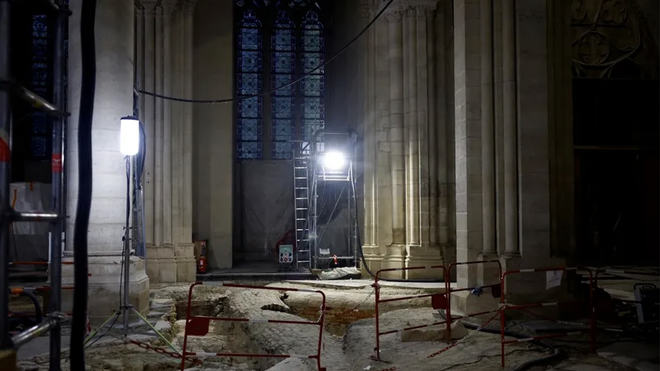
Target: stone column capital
420 8
190 4
168 7
409 8
149 6
187 6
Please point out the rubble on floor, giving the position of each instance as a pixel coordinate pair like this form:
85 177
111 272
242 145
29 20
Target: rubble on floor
348 339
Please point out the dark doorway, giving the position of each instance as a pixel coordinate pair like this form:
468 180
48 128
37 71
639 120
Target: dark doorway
617 171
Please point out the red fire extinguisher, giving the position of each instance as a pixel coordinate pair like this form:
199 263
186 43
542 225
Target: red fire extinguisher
201 263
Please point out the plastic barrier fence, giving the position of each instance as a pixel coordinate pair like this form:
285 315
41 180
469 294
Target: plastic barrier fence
199 326
473 289
505 306
438 301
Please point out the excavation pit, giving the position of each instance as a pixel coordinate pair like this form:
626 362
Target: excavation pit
348 340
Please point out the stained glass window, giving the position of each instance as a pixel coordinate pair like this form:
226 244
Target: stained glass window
296 47
40 123
283 70
249 84
312 88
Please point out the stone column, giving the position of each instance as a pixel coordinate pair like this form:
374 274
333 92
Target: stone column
114 33
168 118
188 125
377 177
163 233
422 250
442 111
368 116
153 205
161 258
185 250
396 130
178 117
487 130
510 142
533 171
467 86
475 162
487 273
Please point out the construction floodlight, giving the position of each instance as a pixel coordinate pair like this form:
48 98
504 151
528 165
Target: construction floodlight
129 136
334 161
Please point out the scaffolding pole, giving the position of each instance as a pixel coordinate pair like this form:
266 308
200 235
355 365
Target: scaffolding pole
57 111
5 118
57 179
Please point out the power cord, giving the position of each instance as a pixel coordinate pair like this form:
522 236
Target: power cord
86 114
292 83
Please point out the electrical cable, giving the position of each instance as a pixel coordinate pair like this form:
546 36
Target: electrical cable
37 307
86 114
556 352
292 83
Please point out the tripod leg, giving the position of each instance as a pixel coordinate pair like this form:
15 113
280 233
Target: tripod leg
91 336
161 336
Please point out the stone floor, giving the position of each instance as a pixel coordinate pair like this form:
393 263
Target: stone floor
348 340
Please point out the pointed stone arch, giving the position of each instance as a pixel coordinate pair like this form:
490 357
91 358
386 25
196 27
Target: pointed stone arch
612 39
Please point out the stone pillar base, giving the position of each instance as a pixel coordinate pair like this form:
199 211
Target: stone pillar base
161 264
383 258
186 265
534 287
464 303
419 256
104 287
477 275
172 264
394 257
373 258
488 273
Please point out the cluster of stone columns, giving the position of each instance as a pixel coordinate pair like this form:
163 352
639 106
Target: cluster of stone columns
164 41
498 153
400 141
502 139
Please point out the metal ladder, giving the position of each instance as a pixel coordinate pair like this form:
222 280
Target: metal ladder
301 200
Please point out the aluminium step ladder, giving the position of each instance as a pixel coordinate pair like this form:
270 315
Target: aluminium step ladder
301 194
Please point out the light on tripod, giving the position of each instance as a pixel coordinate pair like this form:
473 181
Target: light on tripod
334 161
129 136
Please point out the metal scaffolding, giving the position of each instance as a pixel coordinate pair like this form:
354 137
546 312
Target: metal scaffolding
57 111
309 172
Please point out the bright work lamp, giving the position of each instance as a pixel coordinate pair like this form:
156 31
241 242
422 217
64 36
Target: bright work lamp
129 136
333 161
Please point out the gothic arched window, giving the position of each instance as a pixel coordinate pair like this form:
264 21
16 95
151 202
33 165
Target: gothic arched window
295 36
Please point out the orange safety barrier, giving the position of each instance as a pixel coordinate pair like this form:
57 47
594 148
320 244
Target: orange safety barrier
438 301
504 306
199 326
495 286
